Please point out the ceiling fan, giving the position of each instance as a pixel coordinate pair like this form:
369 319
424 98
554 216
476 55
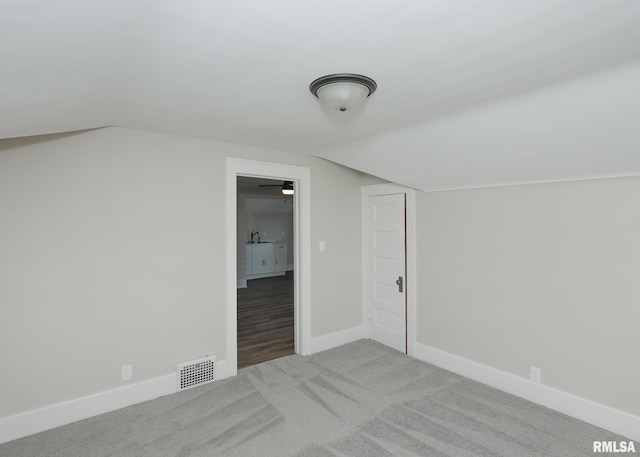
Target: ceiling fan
286 187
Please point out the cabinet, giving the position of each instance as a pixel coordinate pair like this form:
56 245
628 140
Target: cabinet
281 258
262 260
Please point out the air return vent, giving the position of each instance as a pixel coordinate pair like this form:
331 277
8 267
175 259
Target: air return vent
195 372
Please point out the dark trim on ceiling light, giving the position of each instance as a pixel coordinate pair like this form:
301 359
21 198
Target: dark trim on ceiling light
343 78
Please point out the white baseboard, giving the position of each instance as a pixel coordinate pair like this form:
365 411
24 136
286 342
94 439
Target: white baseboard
332 340
241 283
266 275
35 421
602 416
38 420
30 422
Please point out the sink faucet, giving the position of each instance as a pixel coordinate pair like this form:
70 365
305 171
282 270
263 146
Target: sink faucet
254 234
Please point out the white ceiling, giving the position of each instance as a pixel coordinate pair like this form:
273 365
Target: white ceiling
470 92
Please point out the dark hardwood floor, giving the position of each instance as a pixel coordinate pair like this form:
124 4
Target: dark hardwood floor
265 320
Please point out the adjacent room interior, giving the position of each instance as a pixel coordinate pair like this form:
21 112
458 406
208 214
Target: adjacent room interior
266 289
134 141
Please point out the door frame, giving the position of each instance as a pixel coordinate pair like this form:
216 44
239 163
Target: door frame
410 274
301 178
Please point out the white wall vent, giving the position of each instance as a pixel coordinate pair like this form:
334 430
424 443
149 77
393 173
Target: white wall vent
195 372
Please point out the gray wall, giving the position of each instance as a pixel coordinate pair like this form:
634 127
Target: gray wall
112 252
544 275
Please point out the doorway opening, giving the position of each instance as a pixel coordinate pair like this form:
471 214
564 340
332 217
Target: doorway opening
266 279
300 178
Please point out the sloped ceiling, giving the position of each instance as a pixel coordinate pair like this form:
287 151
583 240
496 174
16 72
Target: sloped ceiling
470 92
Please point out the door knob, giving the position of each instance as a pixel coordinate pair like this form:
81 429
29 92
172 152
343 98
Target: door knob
399 283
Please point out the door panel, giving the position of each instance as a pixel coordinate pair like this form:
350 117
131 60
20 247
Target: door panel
386 267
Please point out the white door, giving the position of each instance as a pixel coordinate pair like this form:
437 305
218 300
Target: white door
386 270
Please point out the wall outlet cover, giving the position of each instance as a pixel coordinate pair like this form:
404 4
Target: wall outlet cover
536 375
127 372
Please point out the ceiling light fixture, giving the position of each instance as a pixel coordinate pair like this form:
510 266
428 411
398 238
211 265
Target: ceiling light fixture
343 91
287 188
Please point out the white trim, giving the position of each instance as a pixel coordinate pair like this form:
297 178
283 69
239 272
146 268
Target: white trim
410 202
332 340
39 420
241 283
603 416
301 176
265 275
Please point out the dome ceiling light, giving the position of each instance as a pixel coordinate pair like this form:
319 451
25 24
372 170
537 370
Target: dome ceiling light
343 91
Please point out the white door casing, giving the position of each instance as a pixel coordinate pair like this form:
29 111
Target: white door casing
387 270
301 176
